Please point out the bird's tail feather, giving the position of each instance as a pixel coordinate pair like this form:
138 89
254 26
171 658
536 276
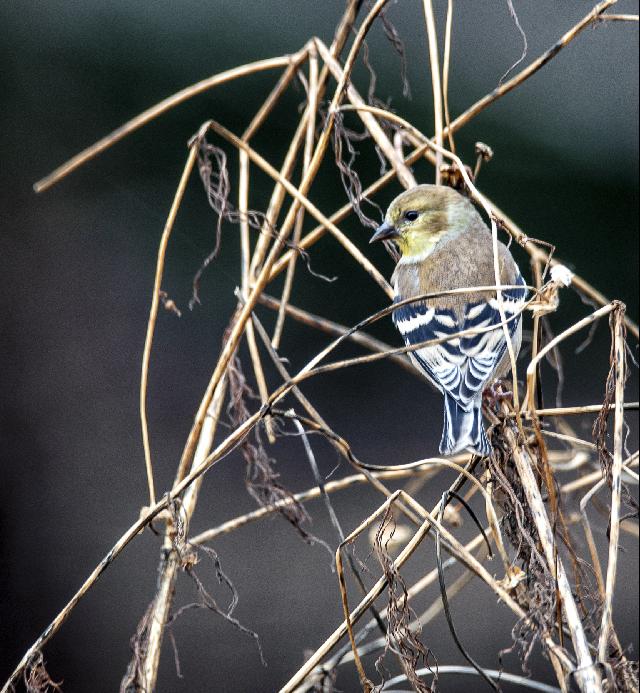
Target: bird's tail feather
463 429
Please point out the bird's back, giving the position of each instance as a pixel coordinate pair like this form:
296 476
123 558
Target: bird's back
463 259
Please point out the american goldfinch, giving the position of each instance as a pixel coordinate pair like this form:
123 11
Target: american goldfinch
445 244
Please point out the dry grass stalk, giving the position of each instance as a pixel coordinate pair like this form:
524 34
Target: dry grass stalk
153 316
619 361
519 492
434 62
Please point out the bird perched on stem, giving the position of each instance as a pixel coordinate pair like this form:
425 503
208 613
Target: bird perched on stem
445 245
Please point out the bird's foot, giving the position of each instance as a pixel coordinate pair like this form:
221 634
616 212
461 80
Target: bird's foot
495 394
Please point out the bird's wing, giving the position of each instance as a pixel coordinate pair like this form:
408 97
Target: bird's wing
461 366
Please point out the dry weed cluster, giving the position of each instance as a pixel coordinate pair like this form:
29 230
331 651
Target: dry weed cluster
560 595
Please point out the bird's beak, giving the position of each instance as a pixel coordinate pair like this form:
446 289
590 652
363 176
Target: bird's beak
385 231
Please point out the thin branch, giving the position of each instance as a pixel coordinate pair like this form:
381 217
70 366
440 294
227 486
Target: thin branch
171 558
619 17
153 315
619 356
297 232
434 61
300 198
499 676
160 108
337 330
531 69
586 674
310 494
446 64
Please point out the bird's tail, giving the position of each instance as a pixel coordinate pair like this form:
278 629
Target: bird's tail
463 429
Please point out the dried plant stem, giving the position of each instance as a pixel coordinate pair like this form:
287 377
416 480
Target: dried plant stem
335 329
586 674
160 108
300 199
529 401
594 477
531 69
171 559
446 64
243 209
455 547
591 544
297 232
310 494
619 17
619 347
402 171
277 199
153 316
536 267
434 61
586 409
316 234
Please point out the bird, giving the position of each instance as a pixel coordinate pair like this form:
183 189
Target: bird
444 244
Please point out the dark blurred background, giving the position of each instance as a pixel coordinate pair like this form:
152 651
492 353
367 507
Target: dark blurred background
77 267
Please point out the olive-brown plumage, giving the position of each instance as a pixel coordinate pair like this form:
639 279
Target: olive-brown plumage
445 245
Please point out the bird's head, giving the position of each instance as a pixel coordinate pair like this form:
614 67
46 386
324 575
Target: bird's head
418 218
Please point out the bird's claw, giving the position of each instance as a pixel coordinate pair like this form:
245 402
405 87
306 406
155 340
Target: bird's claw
494 394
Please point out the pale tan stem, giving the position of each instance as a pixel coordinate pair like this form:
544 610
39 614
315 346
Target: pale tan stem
310 494
337 330
434 61
619 354
592 478
277 198
446 64
316 234
297 231
153 316
456 548
301 199
529 402
587 675
531 69
245 250
619 17
536 266
160 108
171 554
403 173
587 409
591 544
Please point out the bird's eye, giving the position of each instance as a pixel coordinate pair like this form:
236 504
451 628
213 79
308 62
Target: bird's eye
411 215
